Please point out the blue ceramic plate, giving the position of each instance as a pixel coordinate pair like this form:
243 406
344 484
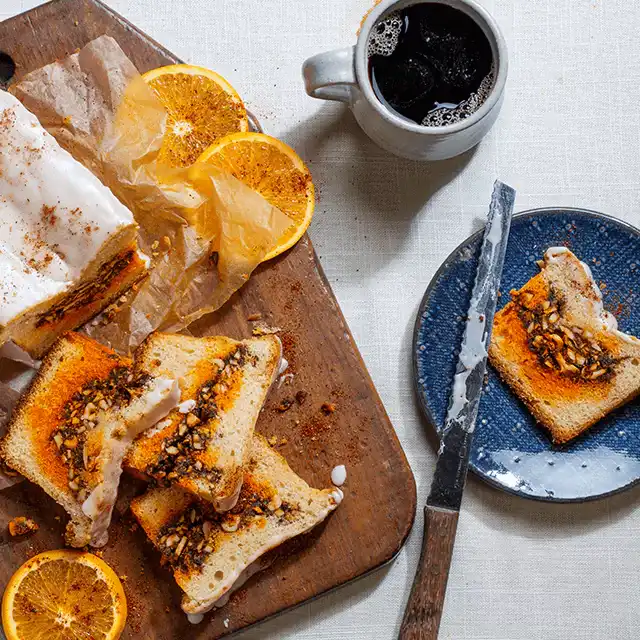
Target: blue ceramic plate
509 450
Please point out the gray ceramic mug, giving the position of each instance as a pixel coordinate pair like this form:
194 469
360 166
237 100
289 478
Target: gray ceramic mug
343 75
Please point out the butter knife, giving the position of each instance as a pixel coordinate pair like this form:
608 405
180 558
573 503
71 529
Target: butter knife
424 608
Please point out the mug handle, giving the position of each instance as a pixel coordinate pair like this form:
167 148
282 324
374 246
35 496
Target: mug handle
331 75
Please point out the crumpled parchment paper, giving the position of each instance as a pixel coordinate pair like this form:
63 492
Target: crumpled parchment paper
204 230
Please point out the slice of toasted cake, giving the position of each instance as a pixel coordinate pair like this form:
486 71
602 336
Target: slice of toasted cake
561 352
72 427
203 445
68 246
208 551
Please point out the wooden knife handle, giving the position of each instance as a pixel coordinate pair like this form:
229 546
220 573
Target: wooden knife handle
424 609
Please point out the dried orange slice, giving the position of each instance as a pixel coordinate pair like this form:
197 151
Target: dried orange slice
274 170
64 595
201 108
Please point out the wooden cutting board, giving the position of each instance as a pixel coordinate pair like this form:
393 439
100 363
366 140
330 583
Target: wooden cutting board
291 292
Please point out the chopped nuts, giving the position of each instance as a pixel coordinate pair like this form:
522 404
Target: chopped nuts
192 420
194 431
571 351
263 329
230 523
285 405
89 411
328 408
21 525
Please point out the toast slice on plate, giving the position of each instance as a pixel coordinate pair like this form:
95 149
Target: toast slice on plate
203 445
561 352
210 552
71 429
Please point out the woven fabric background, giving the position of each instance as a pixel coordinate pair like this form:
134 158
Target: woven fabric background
569 134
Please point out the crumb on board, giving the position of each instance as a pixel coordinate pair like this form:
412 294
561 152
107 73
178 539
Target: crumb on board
123 577
285 378
263 329
8 471
21 526
285 405
283 441
98 552
254 316
328 408
315 426
273 441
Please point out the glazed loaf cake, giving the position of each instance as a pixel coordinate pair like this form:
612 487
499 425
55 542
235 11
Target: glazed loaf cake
67 245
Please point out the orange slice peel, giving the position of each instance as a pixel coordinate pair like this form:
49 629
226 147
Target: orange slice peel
275 171
201 107
64 595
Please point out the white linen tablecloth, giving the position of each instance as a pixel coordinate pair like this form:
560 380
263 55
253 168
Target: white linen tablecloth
569 134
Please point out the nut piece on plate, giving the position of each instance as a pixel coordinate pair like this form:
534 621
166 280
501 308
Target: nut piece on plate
561 352
22 525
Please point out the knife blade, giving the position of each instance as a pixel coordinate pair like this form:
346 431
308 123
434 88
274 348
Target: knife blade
424 609
457 433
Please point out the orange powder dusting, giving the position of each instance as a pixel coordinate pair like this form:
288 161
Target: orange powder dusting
289 350
252 493
90 361
511 338
234 382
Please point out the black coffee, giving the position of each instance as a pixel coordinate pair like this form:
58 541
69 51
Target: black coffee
431 63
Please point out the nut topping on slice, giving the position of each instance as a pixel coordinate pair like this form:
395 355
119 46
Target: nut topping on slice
570 351
79 417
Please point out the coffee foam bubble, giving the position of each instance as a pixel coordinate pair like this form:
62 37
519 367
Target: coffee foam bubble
445 116
385 35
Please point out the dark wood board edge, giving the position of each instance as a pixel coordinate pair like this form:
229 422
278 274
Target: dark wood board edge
305 247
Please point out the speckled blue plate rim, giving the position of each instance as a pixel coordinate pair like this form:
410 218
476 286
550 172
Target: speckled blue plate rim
422 402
